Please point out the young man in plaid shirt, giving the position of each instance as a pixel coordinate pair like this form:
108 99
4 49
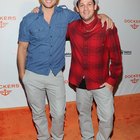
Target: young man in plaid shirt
95 68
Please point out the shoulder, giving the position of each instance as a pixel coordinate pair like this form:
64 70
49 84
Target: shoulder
112 31
74 23
99 23
68 14
65 9
29 18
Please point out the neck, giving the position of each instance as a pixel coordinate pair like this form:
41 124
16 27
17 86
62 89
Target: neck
88 21
48 12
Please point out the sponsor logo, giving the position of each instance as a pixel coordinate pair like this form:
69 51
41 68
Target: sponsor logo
134 78
3 24
124 52
134 24
5 20
67 54
6 89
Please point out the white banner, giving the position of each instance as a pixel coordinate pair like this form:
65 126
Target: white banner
124 13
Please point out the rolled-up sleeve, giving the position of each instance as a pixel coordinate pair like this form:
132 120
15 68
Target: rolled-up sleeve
24 35
115 56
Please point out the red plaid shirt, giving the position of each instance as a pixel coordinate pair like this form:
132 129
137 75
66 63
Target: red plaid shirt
96 54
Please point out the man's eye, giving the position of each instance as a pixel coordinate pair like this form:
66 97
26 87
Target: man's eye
90 4
81 5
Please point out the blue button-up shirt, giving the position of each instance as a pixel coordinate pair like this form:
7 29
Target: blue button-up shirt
46 49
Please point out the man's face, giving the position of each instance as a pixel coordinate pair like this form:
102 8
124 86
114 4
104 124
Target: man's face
86 9
49 3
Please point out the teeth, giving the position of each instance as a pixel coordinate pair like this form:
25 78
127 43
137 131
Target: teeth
48 1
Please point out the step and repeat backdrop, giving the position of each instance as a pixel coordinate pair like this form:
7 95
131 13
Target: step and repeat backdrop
126 16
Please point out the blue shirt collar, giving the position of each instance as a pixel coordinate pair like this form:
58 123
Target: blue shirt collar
57 9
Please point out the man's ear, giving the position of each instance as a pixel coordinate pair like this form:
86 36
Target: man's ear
95 7
77 10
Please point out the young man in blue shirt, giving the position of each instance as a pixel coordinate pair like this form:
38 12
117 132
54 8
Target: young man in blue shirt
41 48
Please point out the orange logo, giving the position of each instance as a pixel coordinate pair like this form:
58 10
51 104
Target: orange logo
134 78
2 24
133 23
5 92
134 26
7 89
4 20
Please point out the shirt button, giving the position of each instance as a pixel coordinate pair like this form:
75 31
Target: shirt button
51 36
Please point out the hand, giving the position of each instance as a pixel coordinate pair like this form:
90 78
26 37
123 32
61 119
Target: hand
21 76
110 87
104 18
35 10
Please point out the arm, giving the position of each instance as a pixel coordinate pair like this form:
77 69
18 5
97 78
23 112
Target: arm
115 68
23 43
71 15
21 58
75 16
